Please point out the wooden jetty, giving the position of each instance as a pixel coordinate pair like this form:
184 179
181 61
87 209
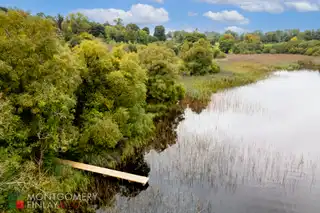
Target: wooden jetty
104 171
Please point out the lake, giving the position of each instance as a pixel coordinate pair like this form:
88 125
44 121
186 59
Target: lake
254 149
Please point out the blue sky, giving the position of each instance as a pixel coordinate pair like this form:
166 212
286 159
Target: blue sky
206 15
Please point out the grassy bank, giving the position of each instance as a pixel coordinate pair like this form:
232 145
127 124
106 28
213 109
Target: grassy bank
238 70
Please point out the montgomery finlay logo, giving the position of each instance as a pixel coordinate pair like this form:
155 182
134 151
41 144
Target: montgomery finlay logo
15 202
50 200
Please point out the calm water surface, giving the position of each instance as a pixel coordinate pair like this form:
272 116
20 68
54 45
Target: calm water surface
254 149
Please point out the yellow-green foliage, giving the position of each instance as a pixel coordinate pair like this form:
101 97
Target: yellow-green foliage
251 38
38 76
162 68
54 101
198 57
113 91
226 42
311 48
217 53
77 39
38 80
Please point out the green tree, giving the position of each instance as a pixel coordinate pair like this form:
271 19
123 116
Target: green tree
42 15
213 37
142 37
251 38
308 35
77 39
97 30
195 36
132 27
160 33
116 33
199 58
38 79
131 33
163 89
112 100
59 20
4 9
234 34
226 42
179 36
147 30
118 21
75 24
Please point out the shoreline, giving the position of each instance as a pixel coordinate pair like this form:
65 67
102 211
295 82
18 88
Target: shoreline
240 70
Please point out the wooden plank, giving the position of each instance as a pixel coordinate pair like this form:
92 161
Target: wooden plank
104 171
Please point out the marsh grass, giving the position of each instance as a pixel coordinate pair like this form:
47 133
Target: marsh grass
239 70
212 170
191 176
199 89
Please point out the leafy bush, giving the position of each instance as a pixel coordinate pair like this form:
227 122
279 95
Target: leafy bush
38 80
217 53
215 67
198 57
273 51
221 55
294 47
132 48
227 42
162 68
248 48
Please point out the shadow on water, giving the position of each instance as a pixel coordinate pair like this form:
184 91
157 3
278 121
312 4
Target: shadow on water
253 149
166 135
109 188
194 104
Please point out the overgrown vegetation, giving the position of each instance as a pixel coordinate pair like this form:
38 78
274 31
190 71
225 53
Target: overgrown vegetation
83 101
91 92
200 88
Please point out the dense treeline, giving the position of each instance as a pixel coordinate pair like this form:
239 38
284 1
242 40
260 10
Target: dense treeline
90 92
76 27
294 46
75 89
287 41
82 100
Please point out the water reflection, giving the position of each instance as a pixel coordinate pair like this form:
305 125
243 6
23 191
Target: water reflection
253 149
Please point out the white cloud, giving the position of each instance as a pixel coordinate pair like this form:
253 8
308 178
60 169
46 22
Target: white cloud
189 29
270 6
158 1
186 29
138 14
170 30
303 6
192 14
262 6
235 29
227 16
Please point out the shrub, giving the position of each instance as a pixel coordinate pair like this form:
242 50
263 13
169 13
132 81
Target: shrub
317 53
217 53
227 42
221 55
132 48
309 51
273 51
215 68
162 67
198 58
38 79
